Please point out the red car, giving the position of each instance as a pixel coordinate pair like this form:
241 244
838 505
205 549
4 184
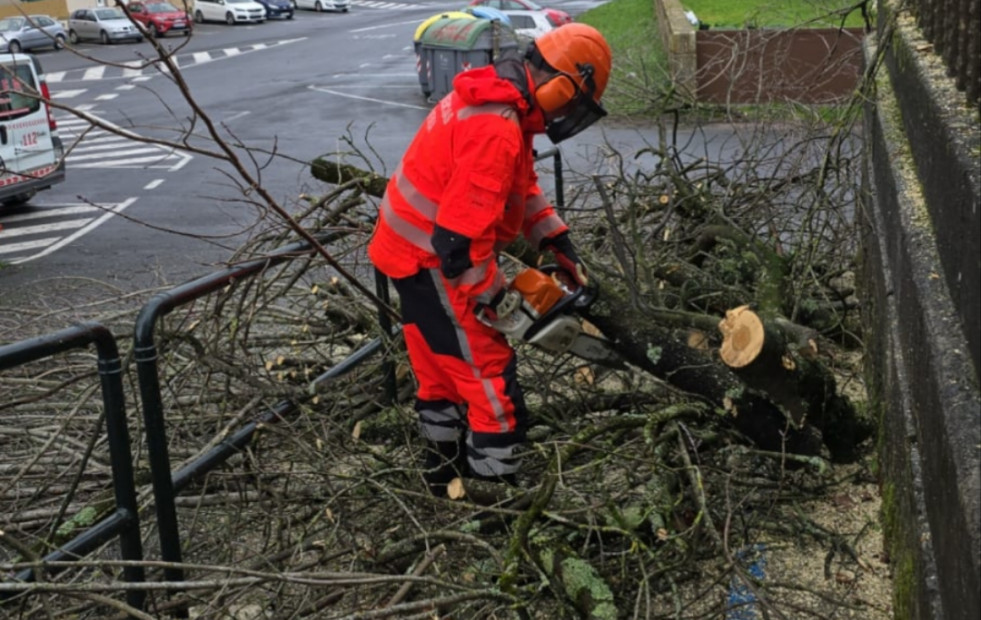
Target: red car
555 16
160 17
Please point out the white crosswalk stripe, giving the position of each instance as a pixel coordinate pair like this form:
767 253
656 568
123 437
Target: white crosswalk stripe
90 147
27 236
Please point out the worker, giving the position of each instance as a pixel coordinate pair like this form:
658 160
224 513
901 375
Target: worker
465 188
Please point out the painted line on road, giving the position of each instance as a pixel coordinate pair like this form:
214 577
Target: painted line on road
78 233
107 97
27 245
125 163
368 28
237 116
137 151
372 99
154 184
10 233
44 212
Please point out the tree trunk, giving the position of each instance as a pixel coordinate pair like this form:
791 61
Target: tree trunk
776 358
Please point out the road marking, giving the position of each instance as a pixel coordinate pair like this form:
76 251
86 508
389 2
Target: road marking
154 184
107 97
94 73
367 28
27 245
372 99
92 225
9 233
43 212
126 87
137 151
68 94
237 116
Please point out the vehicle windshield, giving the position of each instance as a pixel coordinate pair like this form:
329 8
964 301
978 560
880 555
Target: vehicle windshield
532 6
18 92
161 7
237 1
109 14
11 24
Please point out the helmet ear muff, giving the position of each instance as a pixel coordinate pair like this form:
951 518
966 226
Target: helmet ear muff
556 92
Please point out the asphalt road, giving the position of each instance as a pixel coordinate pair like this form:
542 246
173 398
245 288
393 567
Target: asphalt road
133 215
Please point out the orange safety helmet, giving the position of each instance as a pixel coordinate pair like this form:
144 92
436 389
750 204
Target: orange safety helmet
579 59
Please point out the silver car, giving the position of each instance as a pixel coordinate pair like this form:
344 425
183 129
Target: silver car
107 25
22 34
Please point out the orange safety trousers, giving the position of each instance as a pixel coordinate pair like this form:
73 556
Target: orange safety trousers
466 373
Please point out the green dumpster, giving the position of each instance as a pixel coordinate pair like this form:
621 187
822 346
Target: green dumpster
452 45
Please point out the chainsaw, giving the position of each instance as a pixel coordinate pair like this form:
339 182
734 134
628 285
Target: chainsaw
540 308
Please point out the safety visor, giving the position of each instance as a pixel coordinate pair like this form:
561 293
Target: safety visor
584 112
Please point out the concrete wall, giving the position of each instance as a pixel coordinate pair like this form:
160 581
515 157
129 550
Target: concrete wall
920 250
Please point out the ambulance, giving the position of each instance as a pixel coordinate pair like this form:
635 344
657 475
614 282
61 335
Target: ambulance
32 156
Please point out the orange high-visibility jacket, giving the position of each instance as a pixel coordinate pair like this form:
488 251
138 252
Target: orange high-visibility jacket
469 169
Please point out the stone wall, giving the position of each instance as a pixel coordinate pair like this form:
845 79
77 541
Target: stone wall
920 250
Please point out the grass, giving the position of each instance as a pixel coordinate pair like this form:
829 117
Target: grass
630 27
776 13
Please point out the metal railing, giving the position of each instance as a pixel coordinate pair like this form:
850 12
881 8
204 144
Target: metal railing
124 522
166 484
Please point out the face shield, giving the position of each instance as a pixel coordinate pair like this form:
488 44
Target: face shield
583 113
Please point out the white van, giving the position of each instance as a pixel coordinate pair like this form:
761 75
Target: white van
32 156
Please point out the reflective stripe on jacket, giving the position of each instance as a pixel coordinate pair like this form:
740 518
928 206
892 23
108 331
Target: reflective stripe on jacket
469 169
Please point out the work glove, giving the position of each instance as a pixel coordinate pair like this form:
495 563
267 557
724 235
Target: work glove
565 255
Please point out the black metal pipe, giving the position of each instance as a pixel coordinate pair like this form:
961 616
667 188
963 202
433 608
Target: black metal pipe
124 522
145 356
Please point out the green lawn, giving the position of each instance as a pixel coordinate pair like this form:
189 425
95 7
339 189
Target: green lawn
775 13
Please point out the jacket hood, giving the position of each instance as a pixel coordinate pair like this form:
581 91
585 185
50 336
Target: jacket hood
506 81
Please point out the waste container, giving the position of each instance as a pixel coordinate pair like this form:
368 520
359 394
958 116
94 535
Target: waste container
422 69
452 45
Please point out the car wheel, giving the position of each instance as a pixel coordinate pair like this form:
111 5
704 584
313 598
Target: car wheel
187 32
344 10
104 38
13 47
318 7
229 19
199 17
289 15
294 6
73 37
59 42
152 30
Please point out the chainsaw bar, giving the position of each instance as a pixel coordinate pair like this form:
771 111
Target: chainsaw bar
596 349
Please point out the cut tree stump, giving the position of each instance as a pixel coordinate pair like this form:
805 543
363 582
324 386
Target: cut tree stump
777 359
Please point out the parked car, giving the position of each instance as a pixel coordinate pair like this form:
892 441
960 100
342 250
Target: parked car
512 7
323 5
29 33
104 24
530 24
159 18
278 8
32 153
229 11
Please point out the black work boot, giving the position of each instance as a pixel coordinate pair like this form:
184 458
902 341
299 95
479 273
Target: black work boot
445 460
